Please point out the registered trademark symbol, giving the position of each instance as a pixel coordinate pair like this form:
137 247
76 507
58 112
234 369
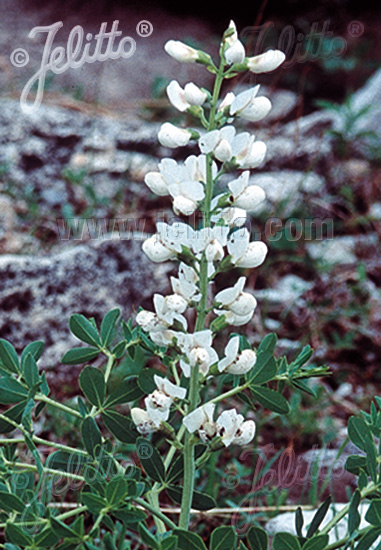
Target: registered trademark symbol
144 28
355 29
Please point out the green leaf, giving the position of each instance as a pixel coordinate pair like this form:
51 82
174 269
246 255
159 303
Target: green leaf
299 522
120 426
150 459
358 432
62 530
92 383
145 380
67 462
373 515
169 543
354 517
9 546
31 375
200 501
84 330
371 458
76 356
318 517
147 537
286 541
16 535
119 349
11 503
355 463
11 391
257 538
116 490
35 349
91 436
46 538
8 357
318 542
14 413
223 538
368 539
270 399
128 390
129 515
264 369
188 541
94 503
268 343
107 326
302 385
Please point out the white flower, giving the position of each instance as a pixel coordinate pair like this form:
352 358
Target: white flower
142 421
250 107
197 348
232 32
201 420
235 53
150 322
175 302
158 406
171 136
156 183
235 300
186 284
235 362
163 337
186 196
246 196
266 62
211 241
232 216
169 389
227 101
244 253
181 52
232 428
168 241
226 145
183 99
167 314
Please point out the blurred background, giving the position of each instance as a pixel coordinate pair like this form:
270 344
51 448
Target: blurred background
71 177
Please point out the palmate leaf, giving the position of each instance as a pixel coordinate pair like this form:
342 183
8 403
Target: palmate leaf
8 357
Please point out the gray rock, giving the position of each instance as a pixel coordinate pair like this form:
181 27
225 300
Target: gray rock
288 290
368 96
39 293
288 185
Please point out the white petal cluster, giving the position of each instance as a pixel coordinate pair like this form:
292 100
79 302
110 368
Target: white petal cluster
237 306
183 182
186 284
230 426
236 362
197 350
183 99
158 405
243 252
245 196
168 241
266 62
171 136
181 52
235 53
250 107
227 146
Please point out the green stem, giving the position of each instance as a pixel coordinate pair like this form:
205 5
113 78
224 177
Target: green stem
340 543
33 468
189 461
229 393
156 512
40 441
53 403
